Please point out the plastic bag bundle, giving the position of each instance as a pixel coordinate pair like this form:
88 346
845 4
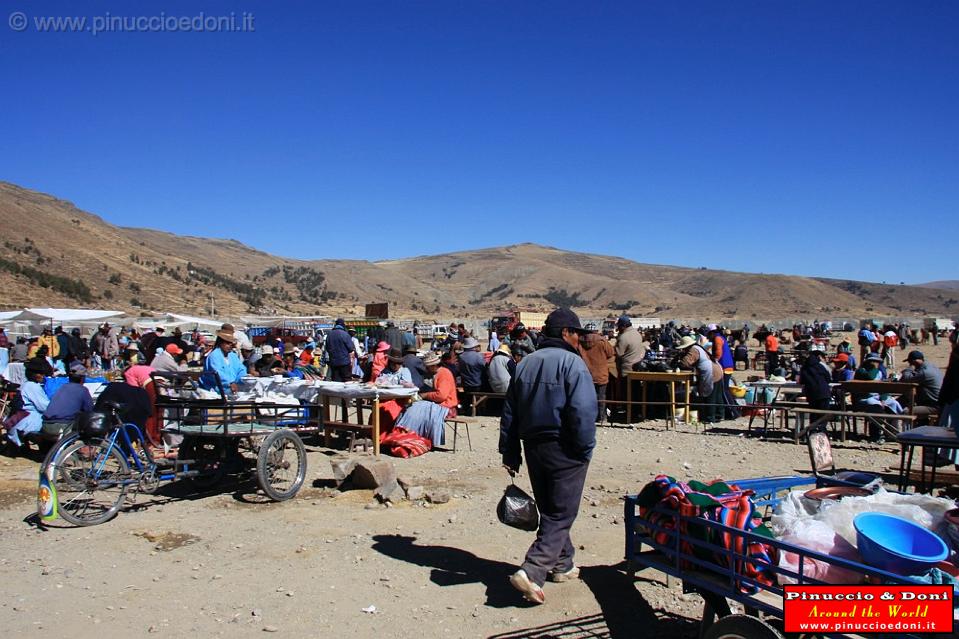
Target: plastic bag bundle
818 536
925 510
518 509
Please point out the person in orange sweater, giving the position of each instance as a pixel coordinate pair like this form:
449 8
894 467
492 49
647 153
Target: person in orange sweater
444 384
772 353
598 354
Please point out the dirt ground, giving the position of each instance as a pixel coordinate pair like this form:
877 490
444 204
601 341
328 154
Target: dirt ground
228 563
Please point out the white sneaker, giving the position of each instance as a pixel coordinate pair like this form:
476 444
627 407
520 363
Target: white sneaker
531 592
559 577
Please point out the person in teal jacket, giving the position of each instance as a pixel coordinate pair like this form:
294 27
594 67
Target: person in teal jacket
223 361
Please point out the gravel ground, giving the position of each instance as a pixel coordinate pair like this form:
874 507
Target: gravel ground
336 564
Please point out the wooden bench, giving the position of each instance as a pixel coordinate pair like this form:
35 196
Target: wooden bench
905 390
879 419
479 397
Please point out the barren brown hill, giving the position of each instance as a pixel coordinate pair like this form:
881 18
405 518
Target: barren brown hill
57 255
949 285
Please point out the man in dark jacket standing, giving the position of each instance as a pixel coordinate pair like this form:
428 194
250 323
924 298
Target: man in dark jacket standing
339 346
815 377
551 408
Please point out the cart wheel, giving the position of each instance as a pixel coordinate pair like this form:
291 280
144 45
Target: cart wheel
281 465
208 457
741 627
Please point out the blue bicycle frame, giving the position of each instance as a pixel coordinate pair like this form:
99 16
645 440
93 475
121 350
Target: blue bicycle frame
129 451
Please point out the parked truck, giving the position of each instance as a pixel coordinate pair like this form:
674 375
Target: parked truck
641 323
504 323
940 325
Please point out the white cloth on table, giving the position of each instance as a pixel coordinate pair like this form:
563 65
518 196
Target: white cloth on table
15 373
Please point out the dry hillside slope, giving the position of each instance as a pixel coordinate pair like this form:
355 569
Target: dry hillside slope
58 255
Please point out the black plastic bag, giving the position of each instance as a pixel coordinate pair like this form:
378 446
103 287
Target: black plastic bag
517 509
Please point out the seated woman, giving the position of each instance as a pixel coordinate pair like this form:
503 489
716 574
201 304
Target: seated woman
291 365
268 364
444 385
426 418
41 361
35 401
872 370
380 360
395 374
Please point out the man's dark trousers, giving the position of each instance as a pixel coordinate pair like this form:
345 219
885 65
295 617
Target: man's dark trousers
557 481
772 362
341 373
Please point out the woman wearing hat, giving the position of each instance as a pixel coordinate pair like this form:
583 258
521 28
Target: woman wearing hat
223 361
268 364
395 373
380 360
873 370
291 364
35 401
444 384
131 354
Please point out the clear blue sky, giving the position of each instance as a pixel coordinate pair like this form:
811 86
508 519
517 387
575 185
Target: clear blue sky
758 136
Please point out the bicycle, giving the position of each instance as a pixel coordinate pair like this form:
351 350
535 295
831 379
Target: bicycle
86 477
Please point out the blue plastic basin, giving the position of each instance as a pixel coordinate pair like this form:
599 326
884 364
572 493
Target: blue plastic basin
897 545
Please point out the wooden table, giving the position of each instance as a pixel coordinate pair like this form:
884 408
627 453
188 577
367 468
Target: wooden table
686 377
321 393
369 393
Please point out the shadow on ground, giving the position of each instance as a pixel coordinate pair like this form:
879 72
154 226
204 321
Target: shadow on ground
625 614
453 567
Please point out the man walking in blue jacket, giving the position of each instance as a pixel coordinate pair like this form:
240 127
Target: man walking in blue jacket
551 408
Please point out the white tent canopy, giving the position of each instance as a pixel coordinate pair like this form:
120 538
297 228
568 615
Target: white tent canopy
69 315
173 320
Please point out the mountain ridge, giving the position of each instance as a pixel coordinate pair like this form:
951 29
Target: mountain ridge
59 255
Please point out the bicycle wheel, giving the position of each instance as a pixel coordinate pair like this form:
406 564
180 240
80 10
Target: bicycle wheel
91 482
281 465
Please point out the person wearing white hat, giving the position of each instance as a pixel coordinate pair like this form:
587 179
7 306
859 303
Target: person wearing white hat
709 377
268 364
